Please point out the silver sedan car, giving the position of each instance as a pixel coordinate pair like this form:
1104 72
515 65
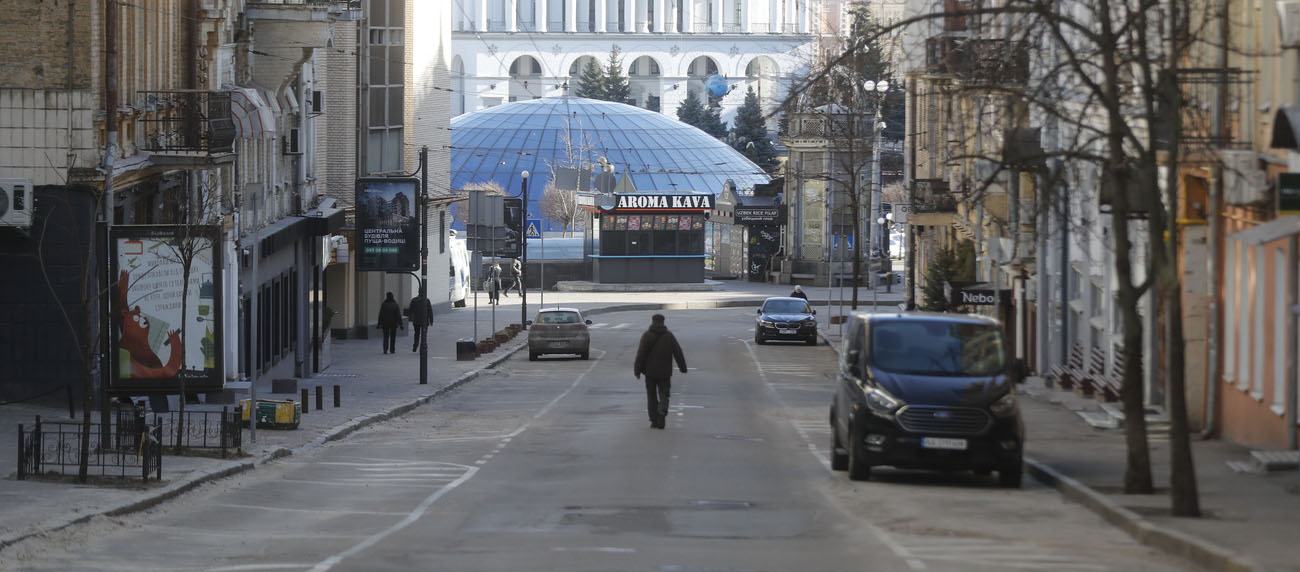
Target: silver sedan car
559 331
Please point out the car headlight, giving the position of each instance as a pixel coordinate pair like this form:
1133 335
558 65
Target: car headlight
881 403
767 324
1006 406
810 321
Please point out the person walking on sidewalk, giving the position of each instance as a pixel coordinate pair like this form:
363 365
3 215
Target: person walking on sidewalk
493 285
421 314
390 317
798 293
517 274
654 358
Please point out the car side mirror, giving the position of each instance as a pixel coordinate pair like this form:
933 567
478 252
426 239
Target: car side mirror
758 311
588 322
528 322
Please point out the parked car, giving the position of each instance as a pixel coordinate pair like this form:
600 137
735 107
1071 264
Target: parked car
786 319
926 391
559 331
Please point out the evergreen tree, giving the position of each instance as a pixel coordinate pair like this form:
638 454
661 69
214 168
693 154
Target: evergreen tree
711 122
943 269
690 109
617 87
591 84
749 133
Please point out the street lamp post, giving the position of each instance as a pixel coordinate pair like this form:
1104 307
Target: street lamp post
424 263
878 88
523 268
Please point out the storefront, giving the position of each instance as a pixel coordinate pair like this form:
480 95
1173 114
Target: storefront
651 238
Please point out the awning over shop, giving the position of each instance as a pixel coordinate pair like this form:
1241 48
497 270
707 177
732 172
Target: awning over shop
254 116
325 218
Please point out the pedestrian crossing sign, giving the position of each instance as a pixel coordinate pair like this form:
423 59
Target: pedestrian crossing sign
534 228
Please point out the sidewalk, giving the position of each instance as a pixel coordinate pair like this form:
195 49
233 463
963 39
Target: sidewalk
373 387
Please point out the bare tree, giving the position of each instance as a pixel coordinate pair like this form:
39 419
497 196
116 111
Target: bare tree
560 205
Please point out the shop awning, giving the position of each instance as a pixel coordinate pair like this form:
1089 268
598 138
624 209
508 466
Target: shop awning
325 218
1285 127
254 116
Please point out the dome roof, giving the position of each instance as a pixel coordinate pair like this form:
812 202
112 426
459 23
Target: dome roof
661 153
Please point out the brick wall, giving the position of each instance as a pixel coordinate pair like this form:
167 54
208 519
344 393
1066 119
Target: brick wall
336 144
34 53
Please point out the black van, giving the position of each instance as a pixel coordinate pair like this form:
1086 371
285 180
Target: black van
926 391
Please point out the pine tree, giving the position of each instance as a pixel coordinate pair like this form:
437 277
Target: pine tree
617 87
690 109
711 122
591 84
941 271
749 133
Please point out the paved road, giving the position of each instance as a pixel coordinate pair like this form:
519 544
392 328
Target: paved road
552 466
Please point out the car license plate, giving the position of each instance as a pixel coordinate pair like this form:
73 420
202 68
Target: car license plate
943 443
559 344
786 331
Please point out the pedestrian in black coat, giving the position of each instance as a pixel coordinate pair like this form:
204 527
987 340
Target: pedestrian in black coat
390 317
654 358
798 293
421 314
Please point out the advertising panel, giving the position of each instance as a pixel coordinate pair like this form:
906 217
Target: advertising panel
388 224
163 330
760 215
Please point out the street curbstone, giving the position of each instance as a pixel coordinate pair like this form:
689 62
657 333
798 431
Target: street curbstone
1178 543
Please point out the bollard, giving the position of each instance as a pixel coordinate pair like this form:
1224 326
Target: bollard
305 407
320 398
337 399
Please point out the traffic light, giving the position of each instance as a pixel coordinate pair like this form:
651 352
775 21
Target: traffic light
512 214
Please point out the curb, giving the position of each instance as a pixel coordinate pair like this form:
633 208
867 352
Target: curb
1178 543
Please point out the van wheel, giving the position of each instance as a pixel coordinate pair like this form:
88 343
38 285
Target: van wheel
532 356
584 355
758 338
859 464
1009 475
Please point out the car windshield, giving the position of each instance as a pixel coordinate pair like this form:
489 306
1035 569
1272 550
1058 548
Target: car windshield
785 307
558 318
928 347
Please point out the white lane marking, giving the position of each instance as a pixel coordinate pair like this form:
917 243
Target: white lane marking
244 567
349 483
614 549
384 466
896 548
597 325
309 510
410 519
545 410
620 326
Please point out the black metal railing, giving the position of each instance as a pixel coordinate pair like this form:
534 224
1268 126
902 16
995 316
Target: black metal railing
54 447
218 430
978 61
188 121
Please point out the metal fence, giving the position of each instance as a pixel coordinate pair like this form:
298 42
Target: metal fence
55 447
203 429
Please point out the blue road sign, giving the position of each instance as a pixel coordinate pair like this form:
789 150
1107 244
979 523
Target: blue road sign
534 228
835 241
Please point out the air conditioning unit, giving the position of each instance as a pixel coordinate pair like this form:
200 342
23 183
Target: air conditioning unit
16 203
293 142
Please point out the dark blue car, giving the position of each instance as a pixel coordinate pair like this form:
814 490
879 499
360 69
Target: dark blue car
786 319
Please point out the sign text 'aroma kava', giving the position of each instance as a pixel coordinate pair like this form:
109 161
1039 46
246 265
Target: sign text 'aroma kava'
665 202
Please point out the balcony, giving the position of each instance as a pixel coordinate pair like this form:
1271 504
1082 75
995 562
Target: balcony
978 61
304 10
933 196
188 127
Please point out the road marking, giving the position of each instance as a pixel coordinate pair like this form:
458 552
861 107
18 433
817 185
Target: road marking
614 549
309 510
597 325
348 483
601 353
243 567
620 326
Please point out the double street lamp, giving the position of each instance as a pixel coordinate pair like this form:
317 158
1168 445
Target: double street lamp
878 90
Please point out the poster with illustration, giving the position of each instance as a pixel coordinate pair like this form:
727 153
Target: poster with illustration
162 330
388 224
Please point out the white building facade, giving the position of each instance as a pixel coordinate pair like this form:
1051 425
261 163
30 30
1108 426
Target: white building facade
511 50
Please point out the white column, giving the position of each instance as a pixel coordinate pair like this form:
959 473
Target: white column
629 16
601 16
670 18
803 16
539 15
482 16
688 16
744 16
571 16
773 16
716 10
643 16
789 18
660 16
512 15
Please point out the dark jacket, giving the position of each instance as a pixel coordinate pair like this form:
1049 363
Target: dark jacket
390 314
655 355
798 294
418 317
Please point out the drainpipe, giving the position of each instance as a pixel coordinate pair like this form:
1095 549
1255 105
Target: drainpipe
1293 327
1215 240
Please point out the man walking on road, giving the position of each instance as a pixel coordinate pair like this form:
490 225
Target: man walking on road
390 317
421 313
654 358
798 293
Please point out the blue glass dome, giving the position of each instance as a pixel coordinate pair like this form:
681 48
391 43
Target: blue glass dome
660 153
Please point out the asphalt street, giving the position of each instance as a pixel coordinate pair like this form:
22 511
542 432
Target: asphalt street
552 465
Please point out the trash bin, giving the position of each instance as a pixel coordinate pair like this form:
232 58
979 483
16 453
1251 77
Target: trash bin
466 350
274 413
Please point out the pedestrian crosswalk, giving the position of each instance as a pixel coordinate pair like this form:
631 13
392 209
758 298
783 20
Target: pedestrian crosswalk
367 471
610 325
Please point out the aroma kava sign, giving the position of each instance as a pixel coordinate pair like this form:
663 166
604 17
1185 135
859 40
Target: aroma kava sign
665 202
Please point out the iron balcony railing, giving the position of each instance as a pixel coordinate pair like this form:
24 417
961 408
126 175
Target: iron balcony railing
188 121
978 61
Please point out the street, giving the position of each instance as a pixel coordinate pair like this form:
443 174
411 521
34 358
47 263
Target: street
551 465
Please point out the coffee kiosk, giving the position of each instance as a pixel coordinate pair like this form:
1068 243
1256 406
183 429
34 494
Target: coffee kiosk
650 237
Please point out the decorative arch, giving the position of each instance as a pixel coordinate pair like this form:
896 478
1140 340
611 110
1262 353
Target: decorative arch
645 78
699 69
525 78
